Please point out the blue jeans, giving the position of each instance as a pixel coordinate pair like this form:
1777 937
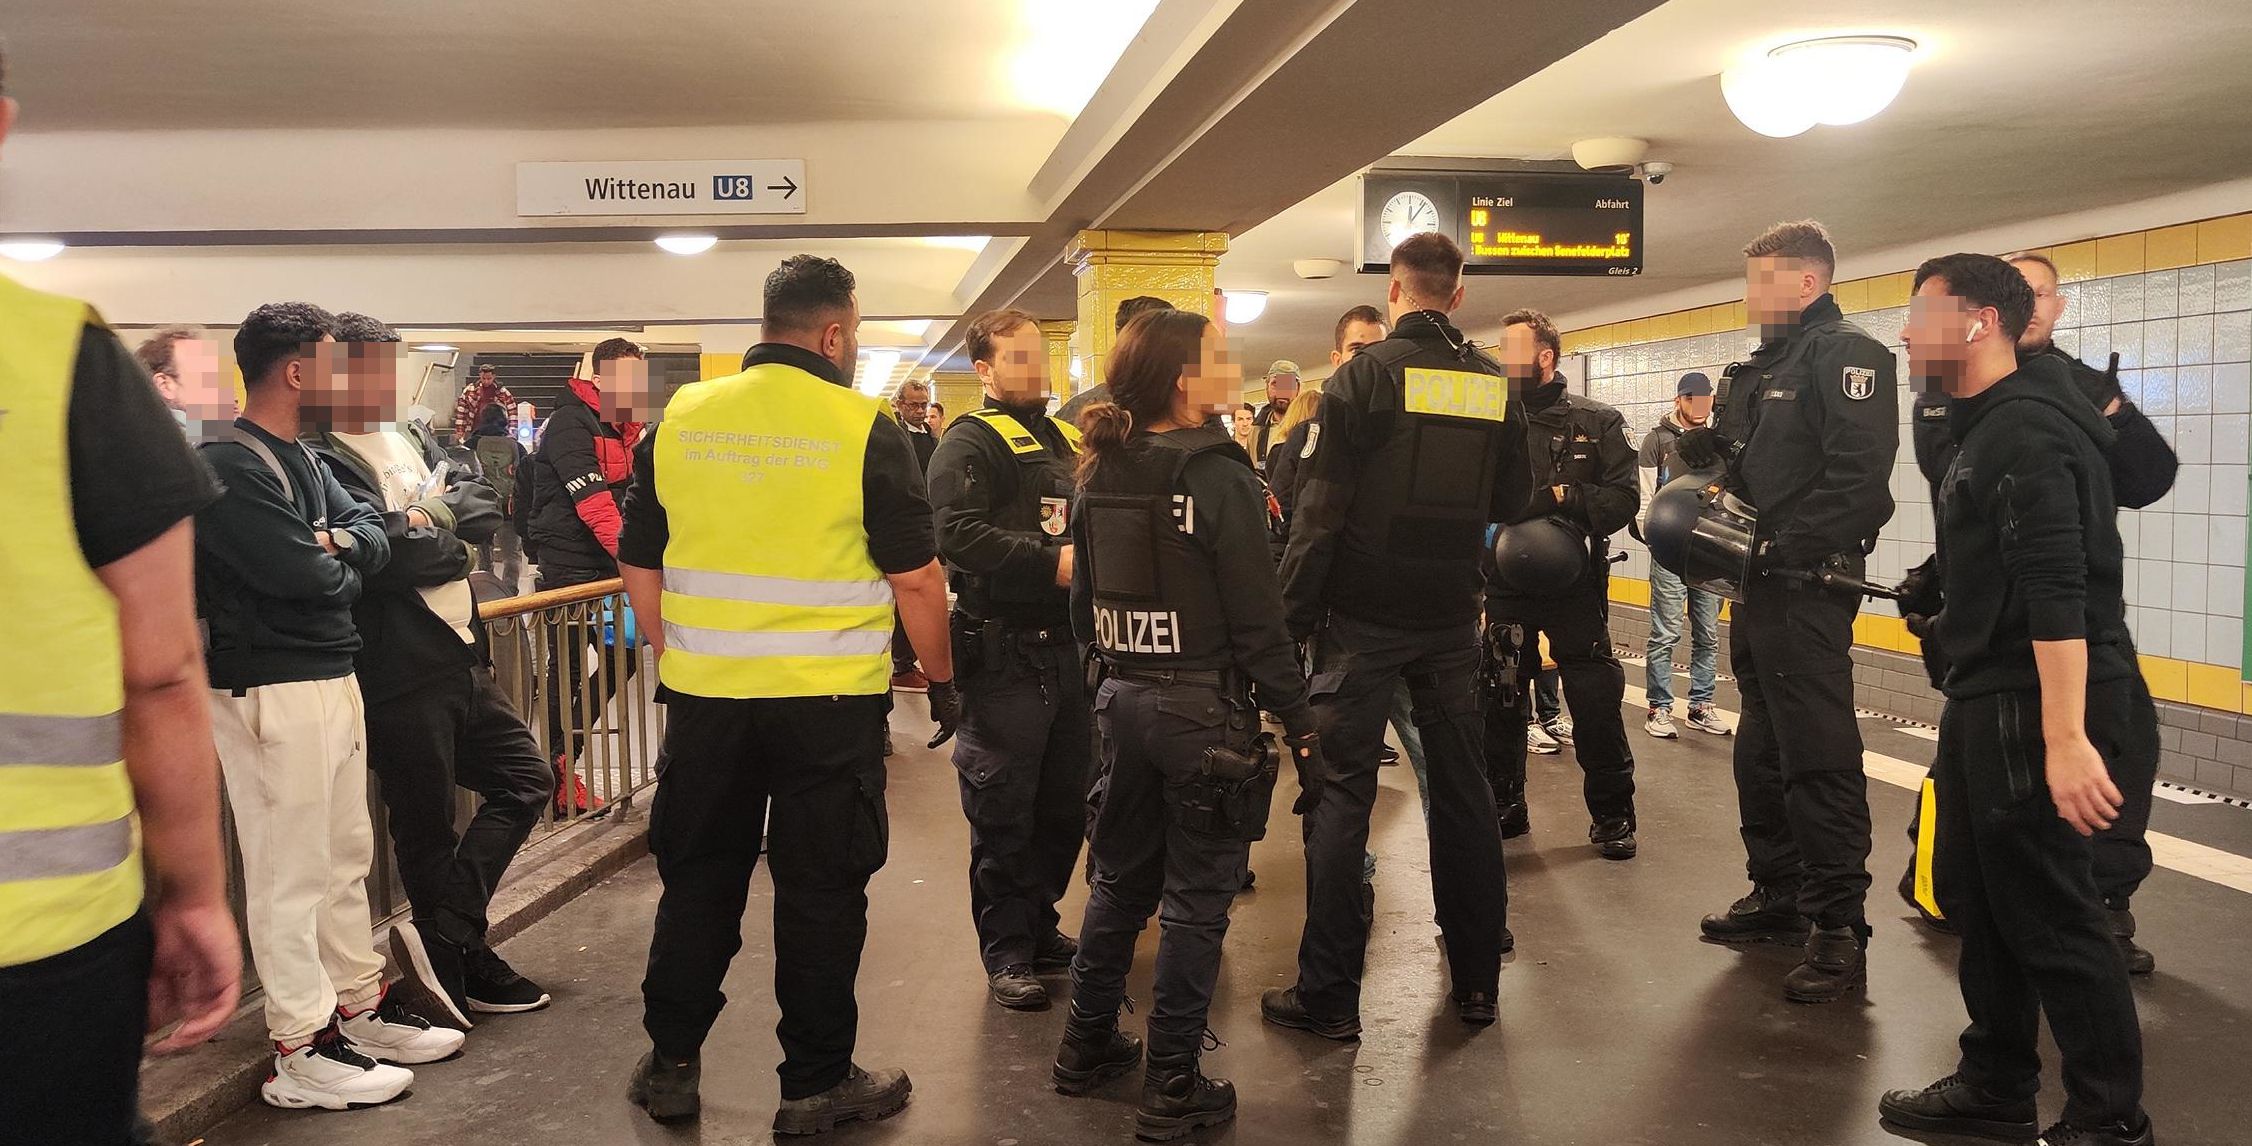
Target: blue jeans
1666 602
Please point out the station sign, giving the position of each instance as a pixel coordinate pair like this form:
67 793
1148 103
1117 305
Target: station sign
1508 223
663 187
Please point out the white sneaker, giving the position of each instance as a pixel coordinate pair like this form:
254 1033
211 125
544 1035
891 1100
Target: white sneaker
1560 730
1660 724
388 1031
329 1074
1539 742
1706 720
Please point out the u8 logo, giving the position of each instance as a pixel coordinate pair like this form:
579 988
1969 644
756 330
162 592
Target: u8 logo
734 186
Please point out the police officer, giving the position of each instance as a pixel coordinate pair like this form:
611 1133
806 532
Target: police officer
773 653
1179 598
1583 474
2142 467
1419 449
1001 484
1810 425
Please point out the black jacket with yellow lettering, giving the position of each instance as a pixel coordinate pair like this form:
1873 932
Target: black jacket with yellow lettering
1002 505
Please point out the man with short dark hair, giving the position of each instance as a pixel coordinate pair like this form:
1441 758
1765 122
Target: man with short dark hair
281 558
1001 485
771 644
1100 392
1808 427
1658 463
2039 700
484 391
1420 449
912 403
1583 480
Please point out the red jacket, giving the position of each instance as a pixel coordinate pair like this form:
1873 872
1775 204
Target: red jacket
577 469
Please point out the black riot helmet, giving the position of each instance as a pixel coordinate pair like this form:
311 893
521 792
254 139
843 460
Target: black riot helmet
1543 557
1703 534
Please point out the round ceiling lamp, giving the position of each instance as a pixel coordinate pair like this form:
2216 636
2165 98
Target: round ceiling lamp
1836 80
31 250
687 244
1244 305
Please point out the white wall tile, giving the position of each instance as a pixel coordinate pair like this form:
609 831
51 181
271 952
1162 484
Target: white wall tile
2224 642
2193 493
2157 533
2127 299
2067 341
2092 302
2154 581
2154 632
2190 548
2189 637
2158 342
2228 540
2193 438
2127 343
2095 345
2193 339
2193 389
2232 285
2224 589
2232 388
2232 336
2130 530
2155 390
2162 294
2197 289
2228 493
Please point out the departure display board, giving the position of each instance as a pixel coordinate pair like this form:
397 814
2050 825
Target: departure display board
1509 223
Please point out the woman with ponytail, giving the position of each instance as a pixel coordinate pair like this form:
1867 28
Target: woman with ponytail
1176 591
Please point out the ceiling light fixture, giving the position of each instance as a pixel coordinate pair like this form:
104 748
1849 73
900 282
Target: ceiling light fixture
687 244
31 250
1244 306
436 347
875 372
1837 80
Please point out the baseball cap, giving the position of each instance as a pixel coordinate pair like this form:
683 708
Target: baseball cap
1282 366
1693 385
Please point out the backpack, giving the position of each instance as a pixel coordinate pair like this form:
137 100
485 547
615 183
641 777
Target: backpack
498 455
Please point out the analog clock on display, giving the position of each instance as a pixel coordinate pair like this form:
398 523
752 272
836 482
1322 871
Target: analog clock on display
1408 213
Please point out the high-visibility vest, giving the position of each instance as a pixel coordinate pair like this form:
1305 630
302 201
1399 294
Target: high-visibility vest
769 588
70 865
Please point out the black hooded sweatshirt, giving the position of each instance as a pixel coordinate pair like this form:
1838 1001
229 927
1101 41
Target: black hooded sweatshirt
2029 544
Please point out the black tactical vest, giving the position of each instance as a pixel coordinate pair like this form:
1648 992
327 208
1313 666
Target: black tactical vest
1157 592
1035 497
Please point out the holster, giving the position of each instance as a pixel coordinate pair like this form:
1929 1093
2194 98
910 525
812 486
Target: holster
1235 785
1497 667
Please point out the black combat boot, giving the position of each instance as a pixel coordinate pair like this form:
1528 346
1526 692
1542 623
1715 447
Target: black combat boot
1094 1051
1952 1106
1767 915
1017 988
1282 1007
2139 961
1055 954
668 1090
862 1097
1516 818
1613 838
2109 1134
1836 962
1177 1099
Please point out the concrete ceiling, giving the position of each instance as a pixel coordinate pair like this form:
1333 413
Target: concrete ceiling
2013 112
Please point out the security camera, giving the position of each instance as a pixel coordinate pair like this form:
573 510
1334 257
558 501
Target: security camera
1656 173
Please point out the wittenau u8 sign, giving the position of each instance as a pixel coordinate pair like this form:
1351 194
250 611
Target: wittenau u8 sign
665 187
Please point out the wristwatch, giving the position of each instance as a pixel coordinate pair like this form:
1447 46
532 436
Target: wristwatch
341 540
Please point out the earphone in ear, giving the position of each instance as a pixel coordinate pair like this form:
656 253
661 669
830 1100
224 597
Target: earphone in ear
1976 329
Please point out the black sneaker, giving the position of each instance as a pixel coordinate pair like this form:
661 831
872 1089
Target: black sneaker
1952 1106
1016 988
1094 1051
669 1091
433 967
860 1097
1177 1100
1056 953
494 988
1836 962
1516 819
1282 1007
1613 839
1908 896
2111 1134
2139 961
1767 915
1387 757
1477 1009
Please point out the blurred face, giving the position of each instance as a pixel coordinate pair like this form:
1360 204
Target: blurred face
1522 355
355 388
626 393
1018 373
194 369
1941 331
1358 337
1281 389
1212 384
2048 305
1693 409
913 407
485 376
1776 289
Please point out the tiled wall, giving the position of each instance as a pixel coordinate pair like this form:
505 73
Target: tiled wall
2176 305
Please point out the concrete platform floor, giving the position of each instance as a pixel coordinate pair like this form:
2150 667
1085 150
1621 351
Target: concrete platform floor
1618 1026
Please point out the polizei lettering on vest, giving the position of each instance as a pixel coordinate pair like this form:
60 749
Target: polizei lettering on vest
1454 394
604 190
1138 630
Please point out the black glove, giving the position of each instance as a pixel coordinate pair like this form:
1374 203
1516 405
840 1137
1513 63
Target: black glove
946 709
1704 448
1560 498
1791 552
2101 386
1305 752
1920 595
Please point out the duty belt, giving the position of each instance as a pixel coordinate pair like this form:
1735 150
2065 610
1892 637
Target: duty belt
1195 678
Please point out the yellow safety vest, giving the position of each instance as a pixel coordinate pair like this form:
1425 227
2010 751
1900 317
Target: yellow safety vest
769 589
69 845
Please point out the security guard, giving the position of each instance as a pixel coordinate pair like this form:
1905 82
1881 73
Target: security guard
1583 473
773 653
1001 485
1179 598
2142 467
1418 449
1809 426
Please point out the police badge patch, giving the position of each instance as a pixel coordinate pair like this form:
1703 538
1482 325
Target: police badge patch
1313 438
1054 516
1860 382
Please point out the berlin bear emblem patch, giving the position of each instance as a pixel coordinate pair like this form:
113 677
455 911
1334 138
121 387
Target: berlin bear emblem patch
1860 382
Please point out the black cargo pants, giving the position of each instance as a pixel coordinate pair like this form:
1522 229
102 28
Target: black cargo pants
1150 850
1800 791
1357 666
1022 752
1578 625
819 762
2018 883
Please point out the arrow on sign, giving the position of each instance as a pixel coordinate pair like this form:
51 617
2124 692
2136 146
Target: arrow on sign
788 187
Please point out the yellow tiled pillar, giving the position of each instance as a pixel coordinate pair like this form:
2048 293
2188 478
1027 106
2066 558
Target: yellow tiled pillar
959 393
1113 266
1057 334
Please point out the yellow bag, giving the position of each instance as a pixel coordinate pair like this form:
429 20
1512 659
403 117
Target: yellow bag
1927 832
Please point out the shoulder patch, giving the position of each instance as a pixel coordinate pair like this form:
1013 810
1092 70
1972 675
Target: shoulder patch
1313 438
1860 382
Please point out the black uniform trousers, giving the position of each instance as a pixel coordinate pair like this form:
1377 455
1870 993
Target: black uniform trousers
455 730
1022 753
1800 792
70 1054
812 770
2019 884
1578 625
1145 857
1357 667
